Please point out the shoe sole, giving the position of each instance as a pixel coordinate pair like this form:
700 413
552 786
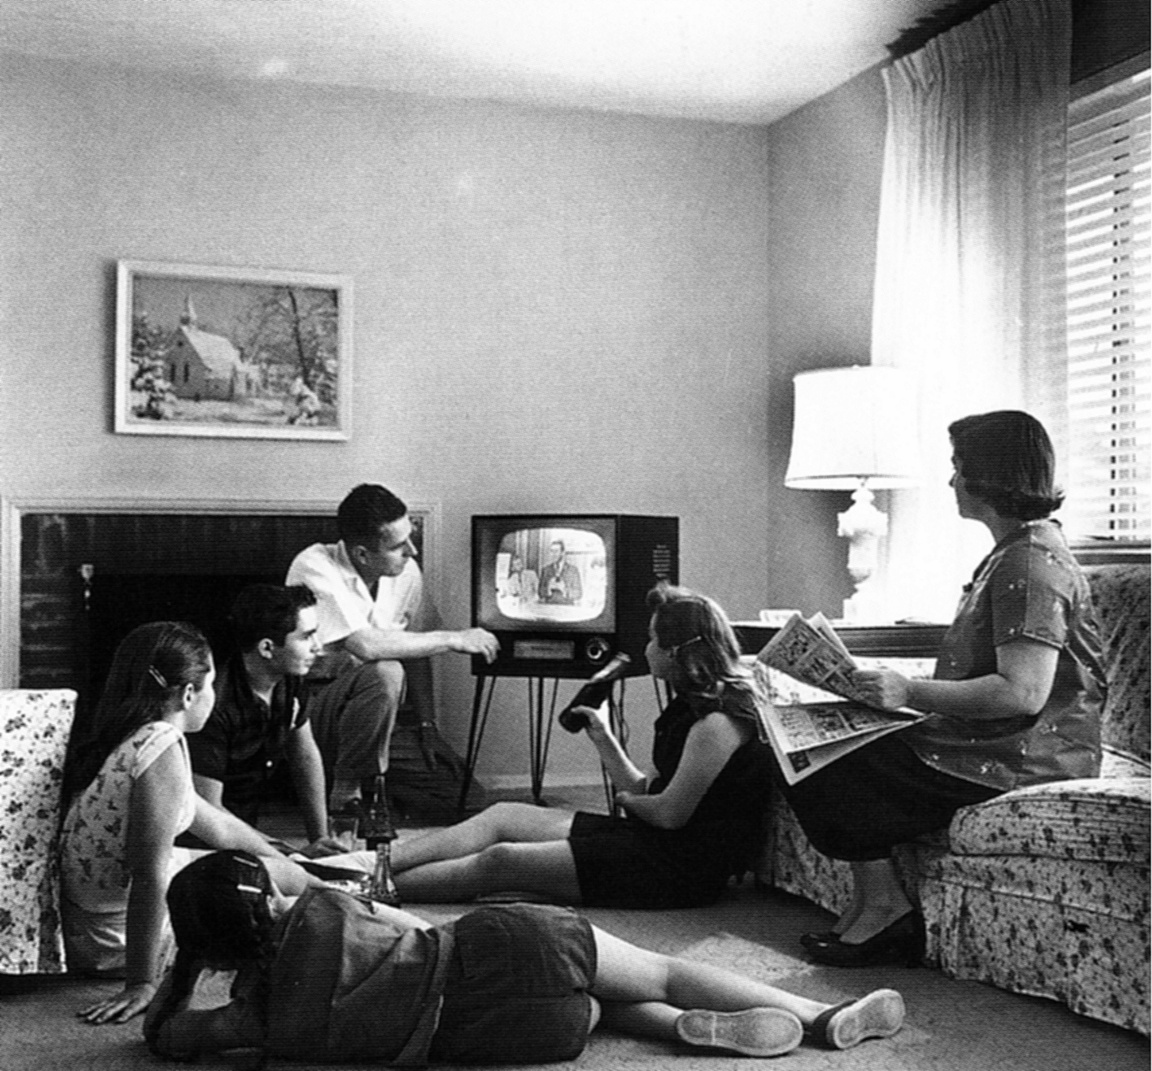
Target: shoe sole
752 1032
878 1015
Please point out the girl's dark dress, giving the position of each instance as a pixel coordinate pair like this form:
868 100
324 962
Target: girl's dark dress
624 862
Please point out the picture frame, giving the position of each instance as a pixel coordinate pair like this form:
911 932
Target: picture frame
232 352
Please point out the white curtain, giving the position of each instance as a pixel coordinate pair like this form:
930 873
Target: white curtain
969 283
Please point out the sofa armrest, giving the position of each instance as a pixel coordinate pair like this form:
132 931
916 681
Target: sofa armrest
34 729
1094 819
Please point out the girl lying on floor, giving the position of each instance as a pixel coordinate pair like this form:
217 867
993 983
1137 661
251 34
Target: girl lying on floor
333 978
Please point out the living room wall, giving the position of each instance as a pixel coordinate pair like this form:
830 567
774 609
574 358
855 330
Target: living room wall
825 164
553 310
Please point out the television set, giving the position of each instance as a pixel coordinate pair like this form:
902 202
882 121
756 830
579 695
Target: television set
565 592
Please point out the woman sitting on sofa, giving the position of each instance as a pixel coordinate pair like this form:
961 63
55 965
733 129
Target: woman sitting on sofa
1015 699
684 832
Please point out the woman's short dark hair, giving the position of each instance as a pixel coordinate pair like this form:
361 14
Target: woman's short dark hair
267 611
1007 459
364 511
694 628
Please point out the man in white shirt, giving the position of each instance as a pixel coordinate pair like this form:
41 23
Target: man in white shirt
374 637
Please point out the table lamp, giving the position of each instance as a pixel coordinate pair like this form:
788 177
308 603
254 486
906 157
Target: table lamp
854 429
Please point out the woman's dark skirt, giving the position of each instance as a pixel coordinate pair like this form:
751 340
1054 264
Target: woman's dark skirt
864 804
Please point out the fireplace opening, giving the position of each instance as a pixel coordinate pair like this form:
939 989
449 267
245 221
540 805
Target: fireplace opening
88 579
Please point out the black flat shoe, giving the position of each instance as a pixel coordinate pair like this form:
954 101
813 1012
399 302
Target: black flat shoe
902 944
825 937
878 1015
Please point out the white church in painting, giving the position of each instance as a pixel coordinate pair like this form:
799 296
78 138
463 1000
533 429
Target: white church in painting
202 365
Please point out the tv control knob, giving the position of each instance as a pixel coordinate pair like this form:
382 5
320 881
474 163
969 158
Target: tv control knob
596 649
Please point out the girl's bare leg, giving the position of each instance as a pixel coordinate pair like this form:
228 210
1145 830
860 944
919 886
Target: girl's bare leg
628 974
544 869
514 822
647 993
647 1019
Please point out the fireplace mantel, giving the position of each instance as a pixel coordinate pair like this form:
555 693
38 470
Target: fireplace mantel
13 511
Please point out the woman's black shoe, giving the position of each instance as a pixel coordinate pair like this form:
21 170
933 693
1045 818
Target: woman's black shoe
901 943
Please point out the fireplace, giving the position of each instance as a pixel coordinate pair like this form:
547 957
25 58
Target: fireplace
76 577
87 578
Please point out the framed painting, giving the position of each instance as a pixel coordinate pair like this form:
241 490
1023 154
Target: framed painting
232 352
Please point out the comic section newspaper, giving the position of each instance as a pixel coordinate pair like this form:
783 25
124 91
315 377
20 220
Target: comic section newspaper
806 737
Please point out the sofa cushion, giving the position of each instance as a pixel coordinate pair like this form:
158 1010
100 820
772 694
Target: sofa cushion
1119 890
1092 819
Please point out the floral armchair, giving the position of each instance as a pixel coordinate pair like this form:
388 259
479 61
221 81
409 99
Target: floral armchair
1043 890
34 728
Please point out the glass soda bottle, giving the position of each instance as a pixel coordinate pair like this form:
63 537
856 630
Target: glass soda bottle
379 833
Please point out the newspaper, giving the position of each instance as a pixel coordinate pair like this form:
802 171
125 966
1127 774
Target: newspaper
806 737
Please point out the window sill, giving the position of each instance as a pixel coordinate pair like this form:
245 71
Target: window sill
1105 552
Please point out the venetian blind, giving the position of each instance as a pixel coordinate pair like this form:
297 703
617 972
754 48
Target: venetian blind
1108 272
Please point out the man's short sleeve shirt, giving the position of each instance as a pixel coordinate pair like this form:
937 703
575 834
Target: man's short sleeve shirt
344 604
244 739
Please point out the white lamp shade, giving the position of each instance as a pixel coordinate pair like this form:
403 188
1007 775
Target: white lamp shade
853 426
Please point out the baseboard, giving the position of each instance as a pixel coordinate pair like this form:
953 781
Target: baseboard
522 782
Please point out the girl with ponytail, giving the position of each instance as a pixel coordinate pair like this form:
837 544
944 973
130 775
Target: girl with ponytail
128 795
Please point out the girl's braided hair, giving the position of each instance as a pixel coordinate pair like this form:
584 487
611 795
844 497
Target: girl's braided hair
221 918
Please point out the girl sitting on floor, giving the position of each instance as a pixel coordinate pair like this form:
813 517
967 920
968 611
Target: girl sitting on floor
684 831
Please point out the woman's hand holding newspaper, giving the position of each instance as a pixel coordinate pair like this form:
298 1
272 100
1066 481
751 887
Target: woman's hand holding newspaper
884 688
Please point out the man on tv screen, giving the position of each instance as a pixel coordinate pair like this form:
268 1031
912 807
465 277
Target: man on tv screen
560 579
374 628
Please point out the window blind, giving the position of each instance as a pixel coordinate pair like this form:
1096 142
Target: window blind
1108 274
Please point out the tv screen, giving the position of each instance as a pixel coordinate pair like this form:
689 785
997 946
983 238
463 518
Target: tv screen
564 592
545 574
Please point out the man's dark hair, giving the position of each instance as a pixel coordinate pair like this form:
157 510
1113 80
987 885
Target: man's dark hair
366 510
267 611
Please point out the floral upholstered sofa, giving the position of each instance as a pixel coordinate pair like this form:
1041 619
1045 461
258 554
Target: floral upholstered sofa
1044 890
34 729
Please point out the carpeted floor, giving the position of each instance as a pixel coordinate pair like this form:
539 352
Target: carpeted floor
950 1026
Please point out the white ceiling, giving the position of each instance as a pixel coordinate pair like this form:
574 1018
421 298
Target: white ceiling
747 61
